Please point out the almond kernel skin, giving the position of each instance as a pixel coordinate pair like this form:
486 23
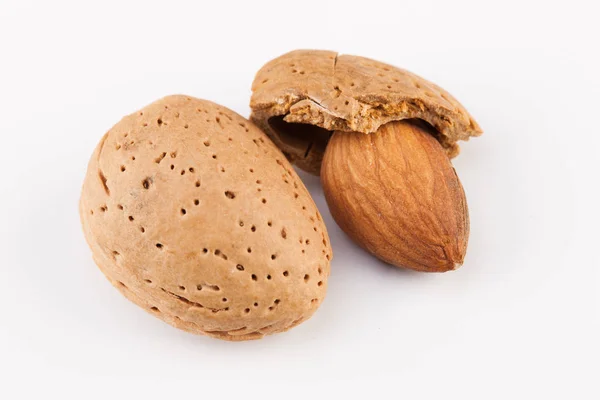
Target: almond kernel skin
395 193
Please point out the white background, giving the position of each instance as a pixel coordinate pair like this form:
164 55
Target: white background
519 319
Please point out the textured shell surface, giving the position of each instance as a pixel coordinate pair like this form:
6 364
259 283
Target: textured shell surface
194 215
339 92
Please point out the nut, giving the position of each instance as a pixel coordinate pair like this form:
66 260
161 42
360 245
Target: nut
389 183
194 215
395 193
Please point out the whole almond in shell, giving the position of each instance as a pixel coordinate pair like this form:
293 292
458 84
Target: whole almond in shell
389 185
195 216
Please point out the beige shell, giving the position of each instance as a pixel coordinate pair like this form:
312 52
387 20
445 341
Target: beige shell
194 215
346 93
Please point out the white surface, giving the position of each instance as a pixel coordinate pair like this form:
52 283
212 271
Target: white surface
520 318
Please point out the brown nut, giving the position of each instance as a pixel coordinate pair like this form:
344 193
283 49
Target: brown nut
194 215
389 185
395 193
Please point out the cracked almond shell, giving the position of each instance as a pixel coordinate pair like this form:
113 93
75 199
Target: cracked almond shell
331 92
380 137
194 215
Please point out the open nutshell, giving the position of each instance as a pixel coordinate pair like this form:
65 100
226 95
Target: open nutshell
381 138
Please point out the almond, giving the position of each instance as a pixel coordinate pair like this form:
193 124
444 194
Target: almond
389 183
195 216
396 194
